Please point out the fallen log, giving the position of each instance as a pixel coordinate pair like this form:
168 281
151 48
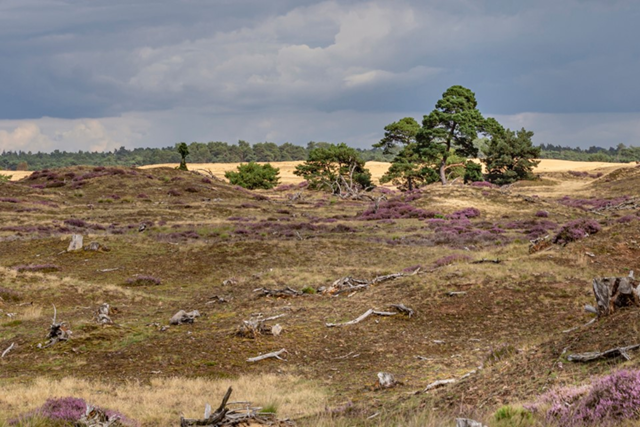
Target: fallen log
360 318
274 354
608 354
256 326
612 293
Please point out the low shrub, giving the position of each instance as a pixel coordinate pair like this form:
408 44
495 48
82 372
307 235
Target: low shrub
66 411
30 268
143 281
450 259
576 230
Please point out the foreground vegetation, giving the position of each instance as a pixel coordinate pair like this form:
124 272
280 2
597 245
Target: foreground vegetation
209 246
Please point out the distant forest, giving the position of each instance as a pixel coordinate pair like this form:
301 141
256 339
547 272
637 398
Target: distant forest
222 152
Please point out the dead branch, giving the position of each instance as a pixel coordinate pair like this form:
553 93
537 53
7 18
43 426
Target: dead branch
487 261
608 354
97 247
403 309
627 204
349 284
439 383
4 353
279 293
362 317
275 354
183 317
540 244
580 326
96 417
210 419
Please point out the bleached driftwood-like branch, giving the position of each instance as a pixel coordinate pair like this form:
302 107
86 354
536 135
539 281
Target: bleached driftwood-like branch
275 354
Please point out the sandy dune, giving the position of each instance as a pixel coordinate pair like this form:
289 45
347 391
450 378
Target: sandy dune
377 168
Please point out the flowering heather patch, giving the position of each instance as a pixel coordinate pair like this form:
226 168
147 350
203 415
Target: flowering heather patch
396 209
285 187
260 197
74 222
341 228
587 204
582 174
68 411
191 190
206 180
54 184
173 193
385 190
450 259
626 219
99 168
608 401
177 236
482 184
176 178
249 206
36 267
142 196
464 213
38 186
576 230
542 214
9 200
143 281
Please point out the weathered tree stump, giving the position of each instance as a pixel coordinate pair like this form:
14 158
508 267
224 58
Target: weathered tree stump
183 317
76 243
613 293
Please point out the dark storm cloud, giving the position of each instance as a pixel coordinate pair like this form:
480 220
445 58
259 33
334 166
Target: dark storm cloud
144 59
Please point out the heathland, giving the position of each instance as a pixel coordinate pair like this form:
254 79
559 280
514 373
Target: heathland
173 240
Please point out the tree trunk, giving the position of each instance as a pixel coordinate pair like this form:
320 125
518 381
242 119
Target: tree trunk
443 170
614 292
410 183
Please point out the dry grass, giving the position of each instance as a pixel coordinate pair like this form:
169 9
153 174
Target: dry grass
164 400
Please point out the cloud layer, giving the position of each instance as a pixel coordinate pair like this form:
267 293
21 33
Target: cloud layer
152 73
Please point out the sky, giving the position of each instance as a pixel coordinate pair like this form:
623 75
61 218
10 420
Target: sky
95 75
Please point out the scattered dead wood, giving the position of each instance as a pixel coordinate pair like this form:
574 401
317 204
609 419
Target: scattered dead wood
386 380
76 243
216 299
57 331
540 244
274 354
279 293
254 327
4 353
403 309
102 316
97 247
487 261
182 317
108 270
226 417
349 284
615 292
362 317
228 282
627 204
608 354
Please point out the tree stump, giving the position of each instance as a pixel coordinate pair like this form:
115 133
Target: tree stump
613 293
76 243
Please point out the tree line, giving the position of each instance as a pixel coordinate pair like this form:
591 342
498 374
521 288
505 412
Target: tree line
199 152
